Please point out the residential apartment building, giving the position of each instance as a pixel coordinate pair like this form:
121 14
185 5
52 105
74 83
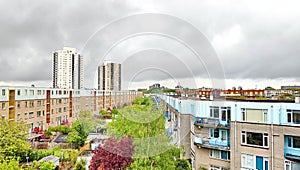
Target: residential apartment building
246 135
109 76
47 107
67 69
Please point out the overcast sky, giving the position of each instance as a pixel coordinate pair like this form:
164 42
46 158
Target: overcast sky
244 43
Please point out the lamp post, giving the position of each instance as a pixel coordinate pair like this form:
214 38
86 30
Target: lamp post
27 157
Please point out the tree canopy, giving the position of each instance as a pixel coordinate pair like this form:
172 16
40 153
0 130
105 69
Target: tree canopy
113 155
144 122
13 137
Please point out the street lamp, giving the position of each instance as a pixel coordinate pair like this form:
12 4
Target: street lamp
27 157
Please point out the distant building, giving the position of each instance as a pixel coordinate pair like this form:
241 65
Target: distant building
67 69
156 85
290 87
109 76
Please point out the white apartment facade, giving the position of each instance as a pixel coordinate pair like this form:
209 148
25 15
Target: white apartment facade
68 72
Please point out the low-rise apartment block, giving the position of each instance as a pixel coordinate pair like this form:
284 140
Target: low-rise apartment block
45 107
246 135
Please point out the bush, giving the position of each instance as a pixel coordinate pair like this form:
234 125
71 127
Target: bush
183 164
44 165
80 165
64 129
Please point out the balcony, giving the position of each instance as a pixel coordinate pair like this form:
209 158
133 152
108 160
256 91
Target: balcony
292 153
213 143
211 123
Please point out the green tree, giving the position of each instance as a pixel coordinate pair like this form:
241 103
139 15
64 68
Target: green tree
11 164
13 137
144 122
78 134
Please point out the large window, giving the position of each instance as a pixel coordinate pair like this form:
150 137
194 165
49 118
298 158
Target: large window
294 142
293 116
254 115
224 155
255 139
214 111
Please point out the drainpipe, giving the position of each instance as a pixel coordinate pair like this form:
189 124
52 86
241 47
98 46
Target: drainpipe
235 143
272 133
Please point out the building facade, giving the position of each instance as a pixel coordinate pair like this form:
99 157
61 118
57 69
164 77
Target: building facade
46 107
67 70
244 135
109 76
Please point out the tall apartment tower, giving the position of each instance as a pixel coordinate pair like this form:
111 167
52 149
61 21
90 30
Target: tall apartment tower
109 76
68 70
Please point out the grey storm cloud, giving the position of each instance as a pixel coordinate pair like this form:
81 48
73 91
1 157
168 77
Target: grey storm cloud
257 40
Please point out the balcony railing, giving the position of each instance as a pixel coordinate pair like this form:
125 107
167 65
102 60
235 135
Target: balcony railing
211 122
292 153
212 143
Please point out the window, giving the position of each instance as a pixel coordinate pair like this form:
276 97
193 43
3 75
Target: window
18 104
31 115
225 113
18 117
39 92
293 116
214 111
31 103
65 109
294 142
212 167
25 116
38 113
287 165
3 105
243 114
39 103
213 133
256 139
255 115
247 161
25 103
3 92
31 92
224 155
19 92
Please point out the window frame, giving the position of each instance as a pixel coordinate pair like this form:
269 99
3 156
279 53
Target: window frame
265 139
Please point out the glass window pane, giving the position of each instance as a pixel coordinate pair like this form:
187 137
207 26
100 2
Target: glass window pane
289 117
289 142
255 139
223 115
296 142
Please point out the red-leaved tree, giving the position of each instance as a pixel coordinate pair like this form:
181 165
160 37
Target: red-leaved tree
113 155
